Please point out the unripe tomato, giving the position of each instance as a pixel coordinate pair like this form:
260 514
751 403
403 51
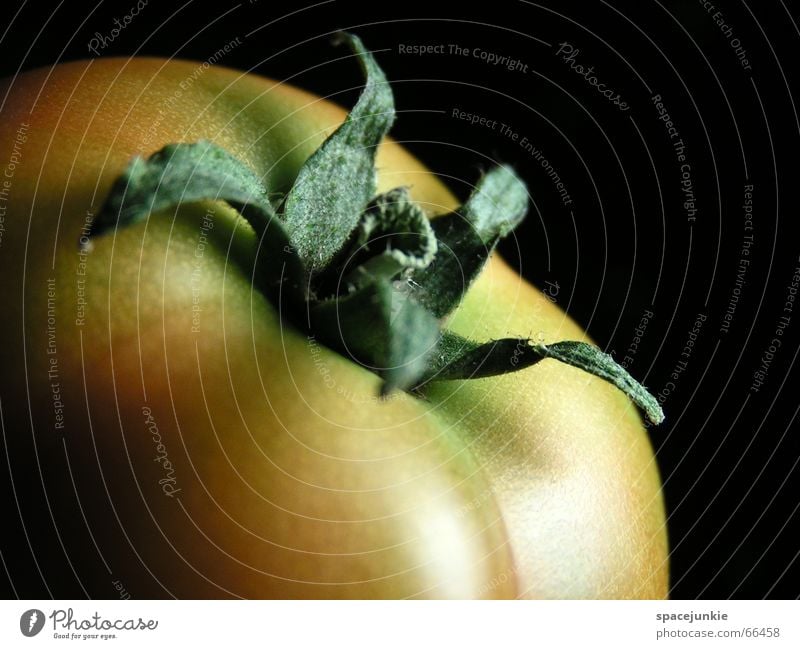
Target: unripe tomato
171 435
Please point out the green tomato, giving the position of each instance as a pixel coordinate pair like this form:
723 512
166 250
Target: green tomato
171 434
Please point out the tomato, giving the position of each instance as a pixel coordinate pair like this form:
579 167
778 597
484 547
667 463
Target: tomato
170 434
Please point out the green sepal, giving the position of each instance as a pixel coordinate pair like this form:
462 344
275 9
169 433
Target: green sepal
458 358
467 238
393 236
335 185
330 234
381 328
189 173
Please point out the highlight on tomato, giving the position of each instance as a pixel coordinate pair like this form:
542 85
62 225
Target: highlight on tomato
254 348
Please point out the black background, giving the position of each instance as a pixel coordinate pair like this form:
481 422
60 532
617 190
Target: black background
728 455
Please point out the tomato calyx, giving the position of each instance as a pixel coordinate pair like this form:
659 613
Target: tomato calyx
369 276
459 357
187 173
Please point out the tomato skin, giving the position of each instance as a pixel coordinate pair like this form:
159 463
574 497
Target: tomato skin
293 479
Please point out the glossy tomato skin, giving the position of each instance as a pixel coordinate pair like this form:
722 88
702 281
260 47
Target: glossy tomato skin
172 436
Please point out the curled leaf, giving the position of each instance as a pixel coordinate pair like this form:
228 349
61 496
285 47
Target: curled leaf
393 236
393 275
337 182
380 328
467 238
459 358
193 172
